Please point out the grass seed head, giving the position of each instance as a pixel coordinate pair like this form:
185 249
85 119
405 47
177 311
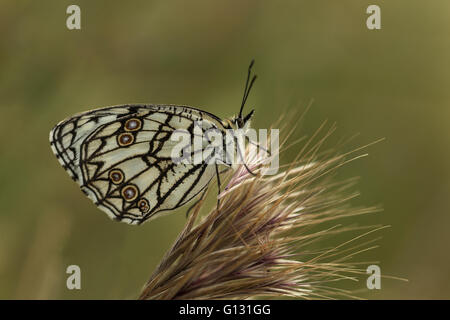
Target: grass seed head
259 242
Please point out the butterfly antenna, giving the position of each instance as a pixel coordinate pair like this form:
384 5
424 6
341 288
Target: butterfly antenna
248 87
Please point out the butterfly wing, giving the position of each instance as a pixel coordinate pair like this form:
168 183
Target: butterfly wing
122 158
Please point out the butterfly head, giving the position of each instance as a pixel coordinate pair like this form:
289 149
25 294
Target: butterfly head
238 122
243 122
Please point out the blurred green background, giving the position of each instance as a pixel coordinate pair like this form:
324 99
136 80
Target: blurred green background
391 83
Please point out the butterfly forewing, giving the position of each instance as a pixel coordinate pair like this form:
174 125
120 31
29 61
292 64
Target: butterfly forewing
122 158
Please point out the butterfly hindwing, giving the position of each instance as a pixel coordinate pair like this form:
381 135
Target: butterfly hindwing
122 158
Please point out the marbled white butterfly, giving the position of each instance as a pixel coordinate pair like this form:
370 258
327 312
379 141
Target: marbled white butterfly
121 156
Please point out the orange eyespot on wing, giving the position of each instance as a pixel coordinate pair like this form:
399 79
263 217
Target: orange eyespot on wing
125 139
133 124
130 192
143 205
116 176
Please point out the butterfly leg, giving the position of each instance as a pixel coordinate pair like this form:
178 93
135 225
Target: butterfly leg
225 170
258 146
196 202
218 185
243 161
204 191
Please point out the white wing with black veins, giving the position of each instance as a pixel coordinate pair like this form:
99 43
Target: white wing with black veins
121 158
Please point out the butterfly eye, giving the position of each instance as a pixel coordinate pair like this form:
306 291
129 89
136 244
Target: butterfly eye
116 176
133 124
130 193
125 139
143 205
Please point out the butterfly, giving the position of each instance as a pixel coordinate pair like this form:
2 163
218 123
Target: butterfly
122 156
